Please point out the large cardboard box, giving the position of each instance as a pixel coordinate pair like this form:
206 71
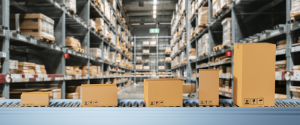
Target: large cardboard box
97 95
208 87
163 92
254 69
35 99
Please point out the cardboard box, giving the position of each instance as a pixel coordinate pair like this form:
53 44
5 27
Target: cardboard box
146 43
208 87
96 95
69 70
71 4
34 99
189 88
152 43
146 67
72 42
96 52
163 92
72 96
146 51
254 81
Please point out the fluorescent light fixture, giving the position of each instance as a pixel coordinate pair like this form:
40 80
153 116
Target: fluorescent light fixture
135 23
154 12
154 16
154 7
165 23
154 1
149 23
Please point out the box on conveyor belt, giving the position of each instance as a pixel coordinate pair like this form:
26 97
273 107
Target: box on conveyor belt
97 95
254 81
34 99
208 87
163 92
34 24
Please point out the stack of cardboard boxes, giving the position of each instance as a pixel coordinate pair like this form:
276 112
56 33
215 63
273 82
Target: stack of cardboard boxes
73 92
96 52
168 50
71 5
146 51
202 18
83 70
74 44
295 10
281 65
281 45
192 54
226 32
40 69
37 25
26 68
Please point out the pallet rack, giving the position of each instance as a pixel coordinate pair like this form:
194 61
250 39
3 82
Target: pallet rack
52 55
156 52
269 22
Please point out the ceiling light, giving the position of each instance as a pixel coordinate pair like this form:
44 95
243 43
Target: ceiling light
154 16
154 12
154 7
154 1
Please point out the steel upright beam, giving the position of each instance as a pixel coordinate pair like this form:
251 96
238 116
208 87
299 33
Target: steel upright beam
289 38
188 44
5 45
134 59
233 40
156 54
62 33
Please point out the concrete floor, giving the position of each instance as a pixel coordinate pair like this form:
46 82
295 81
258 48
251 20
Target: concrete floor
137 92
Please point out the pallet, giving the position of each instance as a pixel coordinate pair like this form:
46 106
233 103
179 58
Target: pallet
45 38
218 47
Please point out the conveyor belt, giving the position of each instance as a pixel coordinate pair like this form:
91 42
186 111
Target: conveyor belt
140 103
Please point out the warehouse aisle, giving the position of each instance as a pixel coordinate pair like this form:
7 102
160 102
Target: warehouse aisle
137 92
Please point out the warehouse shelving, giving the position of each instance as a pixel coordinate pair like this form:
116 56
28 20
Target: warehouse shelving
66 24
244 30
156 53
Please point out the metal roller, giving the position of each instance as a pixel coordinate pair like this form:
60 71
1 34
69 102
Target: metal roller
135 104
128 104
186 104
121 104
194 104
142 104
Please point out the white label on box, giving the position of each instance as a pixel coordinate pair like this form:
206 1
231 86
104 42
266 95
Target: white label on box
296 49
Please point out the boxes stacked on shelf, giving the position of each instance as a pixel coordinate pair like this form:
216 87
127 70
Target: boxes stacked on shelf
74 44
168 50
295 10
112 56
281 65
193 9
152 43
13 65
99 25
40 69
25 68
161 67
193 33
146 68
203 45
168 59
295 90
192 54
92 24
146 43
146 51
226 32
281 45
54 93
96 52
73 92
37 25
280 96
71 5
139 67
202 17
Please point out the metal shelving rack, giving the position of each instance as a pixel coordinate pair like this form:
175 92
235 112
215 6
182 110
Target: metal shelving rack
155 52
66 24
244 30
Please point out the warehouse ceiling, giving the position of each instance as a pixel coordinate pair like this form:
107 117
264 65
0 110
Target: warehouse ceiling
141 11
